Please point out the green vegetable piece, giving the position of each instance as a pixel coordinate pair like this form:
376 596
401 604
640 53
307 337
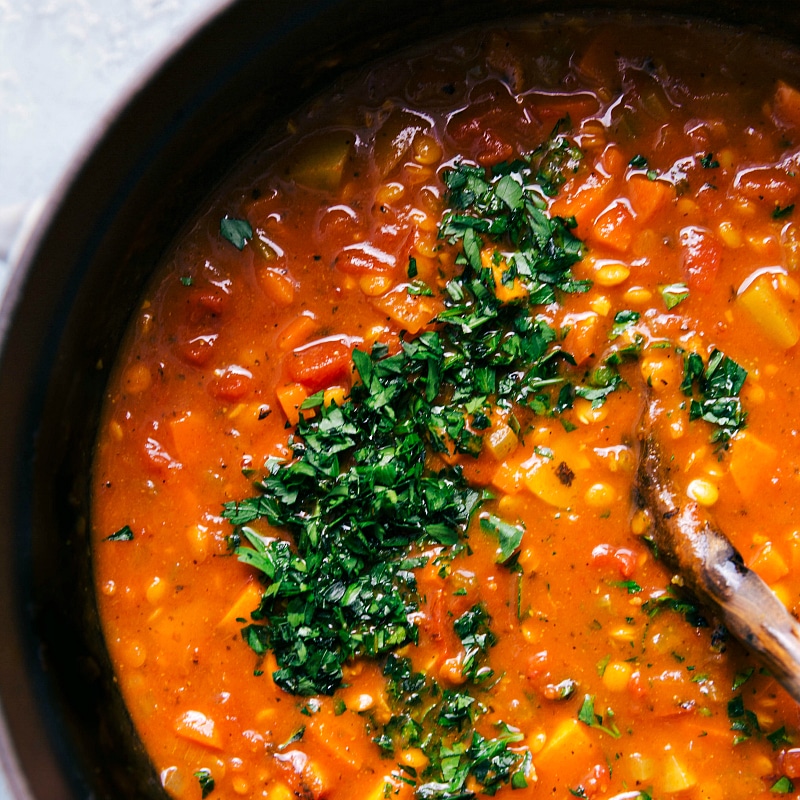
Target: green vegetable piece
206 781
124 534
673 293
782 786
237 231
509 536
587 716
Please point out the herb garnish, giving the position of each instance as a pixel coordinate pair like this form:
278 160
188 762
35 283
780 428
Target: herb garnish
124 534
237 231
719 383
588 717
206 781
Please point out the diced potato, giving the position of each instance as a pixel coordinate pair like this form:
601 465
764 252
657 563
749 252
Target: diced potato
675 775
318 161
752 463
395 137
500 442
567 749
765 304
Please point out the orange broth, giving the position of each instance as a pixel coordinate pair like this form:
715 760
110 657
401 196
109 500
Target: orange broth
605 684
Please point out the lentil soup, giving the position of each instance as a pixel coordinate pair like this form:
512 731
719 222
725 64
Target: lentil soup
365 515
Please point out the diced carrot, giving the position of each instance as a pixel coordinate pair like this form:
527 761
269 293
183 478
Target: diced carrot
584 336
786 104
194 726
411 312
505 292
320 364
768 563
290 398
246 601
276 284
623 559
297 331
615 227
613 161
188 432
584 200
648 197
701 256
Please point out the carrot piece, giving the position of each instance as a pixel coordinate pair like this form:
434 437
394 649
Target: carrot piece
568 750
505 292
276 285
584 201
297 331
615 227
188 434
584 336
247 600
319 364
290 398
648 197
768 563
194 726
411 312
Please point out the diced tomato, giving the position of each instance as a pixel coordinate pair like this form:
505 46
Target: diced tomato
205 303
771 185
701 256
232 385
196 351
790 762
622 559
493 149
320 364
552 107
595 781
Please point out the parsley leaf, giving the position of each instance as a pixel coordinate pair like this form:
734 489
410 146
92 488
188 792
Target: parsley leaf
237 231
674 293
509 536
206 781
124 534
588 717
719 383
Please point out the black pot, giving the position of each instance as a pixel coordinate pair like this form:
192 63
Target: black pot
64 732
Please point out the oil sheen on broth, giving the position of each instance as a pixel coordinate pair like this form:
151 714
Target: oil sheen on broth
365 520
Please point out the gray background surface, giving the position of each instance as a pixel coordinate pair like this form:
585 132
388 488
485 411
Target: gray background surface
64 66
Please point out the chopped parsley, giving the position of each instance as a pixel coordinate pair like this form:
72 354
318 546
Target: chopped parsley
206 781
674 293
719 383
709 162
588 717
124 534
237 231
783 785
